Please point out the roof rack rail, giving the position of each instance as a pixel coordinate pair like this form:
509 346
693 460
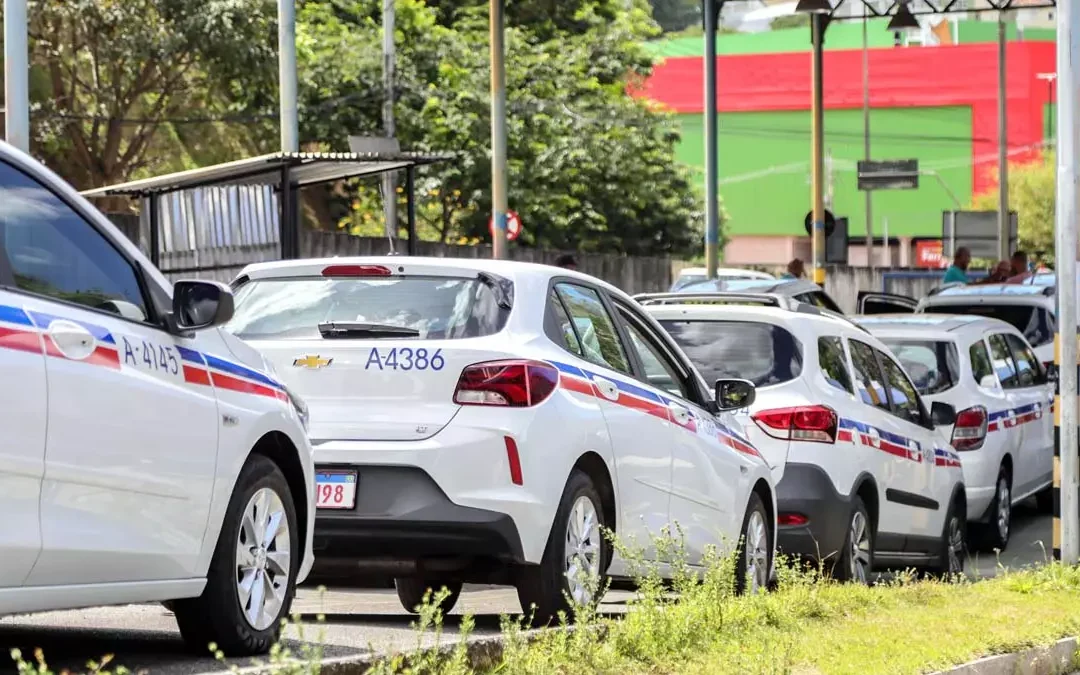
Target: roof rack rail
719 297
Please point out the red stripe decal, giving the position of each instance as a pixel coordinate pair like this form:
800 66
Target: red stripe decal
993 426
843 435
243 386
576 385
104 356
20 340
635 403
196 375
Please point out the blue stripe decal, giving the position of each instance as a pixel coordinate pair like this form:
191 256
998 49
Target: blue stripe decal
15 315
100 333
631 389
236 369
888 436
190 355
569 369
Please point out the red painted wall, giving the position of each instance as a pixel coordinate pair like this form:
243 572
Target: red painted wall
960 75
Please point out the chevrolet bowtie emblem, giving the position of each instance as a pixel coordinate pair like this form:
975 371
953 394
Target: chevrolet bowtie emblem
312 361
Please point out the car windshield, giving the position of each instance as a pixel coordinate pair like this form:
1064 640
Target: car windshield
760 352
419 307
1036 323
933 365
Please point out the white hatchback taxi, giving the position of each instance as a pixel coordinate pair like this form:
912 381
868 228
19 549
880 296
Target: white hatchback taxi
1004 429
145 454
482 421
865 477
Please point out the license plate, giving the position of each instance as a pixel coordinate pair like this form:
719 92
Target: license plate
335 489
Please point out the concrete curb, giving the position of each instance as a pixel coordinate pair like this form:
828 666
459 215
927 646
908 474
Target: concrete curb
1057 659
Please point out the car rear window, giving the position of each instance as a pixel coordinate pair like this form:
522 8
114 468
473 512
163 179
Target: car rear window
760 352
933 365
1034 322
437 308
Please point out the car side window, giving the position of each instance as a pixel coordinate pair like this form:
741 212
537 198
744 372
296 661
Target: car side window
905 399
868 376
659 371
1003 362
833 363
1028 370
981 365
55 252
564 334
594 327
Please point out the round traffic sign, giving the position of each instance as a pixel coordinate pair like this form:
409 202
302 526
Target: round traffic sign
513 226
830 223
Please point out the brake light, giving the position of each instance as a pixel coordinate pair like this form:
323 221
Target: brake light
969 432
791 519
356 271
814 423
516 384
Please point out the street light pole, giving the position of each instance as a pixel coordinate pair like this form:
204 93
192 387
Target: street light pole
866 138
817 132
389 57
290 141
712 201
1003 148
499 202
16 75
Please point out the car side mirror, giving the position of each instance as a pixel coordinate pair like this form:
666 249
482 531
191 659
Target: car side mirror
733 394
989 382
942 414
200 304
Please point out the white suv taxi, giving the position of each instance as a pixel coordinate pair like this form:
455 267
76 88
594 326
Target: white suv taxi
865 477
480 421
1004 429
145 454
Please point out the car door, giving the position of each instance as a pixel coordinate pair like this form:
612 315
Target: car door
131 446
636 417
873 302
1006 420
1035 423
704 473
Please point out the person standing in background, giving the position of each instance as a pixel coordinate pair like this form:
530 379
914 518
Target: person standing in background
957 272
795 270
1019 268
566 261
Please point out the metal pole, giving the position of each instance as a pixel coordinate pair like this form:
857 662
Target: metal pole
389 180
290 139
16 75
712 202
1066 512
155 235
1003 149
410 189
499 203
866 138
817 132
288 223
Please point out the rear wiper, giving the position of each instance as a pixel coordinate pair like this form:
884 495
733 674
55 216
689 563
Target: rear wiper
346 329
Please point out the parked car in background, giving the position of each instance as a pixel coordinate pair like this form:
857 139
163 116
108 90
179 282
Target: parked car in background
1004 429
865 477
691 275
482 421
799 290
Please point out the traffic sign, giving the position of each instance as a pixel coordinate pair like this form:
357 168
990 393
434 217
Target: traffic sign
890 174
830 223
513 226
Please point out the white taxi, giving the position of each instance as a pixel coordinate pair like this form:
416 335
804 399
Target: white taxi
482 421
145 454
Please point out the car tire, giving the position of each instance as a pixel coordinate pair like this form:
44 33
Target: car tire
754 562
544 590
856 559
952 552
411 593
260 499
994 535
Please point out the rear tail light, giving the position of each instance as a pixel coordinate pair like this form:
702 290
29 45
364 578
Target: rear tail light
356 271
814 423
514 384
969 432
791 520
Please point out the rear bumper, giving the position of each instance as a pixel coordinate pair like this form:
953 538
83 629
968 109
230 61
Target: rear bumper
807 490
980 469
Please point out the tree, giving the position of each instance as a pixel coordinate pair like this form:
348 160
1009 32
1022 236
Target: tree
1031 194
676 15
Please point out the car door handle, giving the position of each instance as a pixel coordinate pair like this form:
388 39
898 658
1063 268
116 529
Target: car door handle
607 388
679 414
73 341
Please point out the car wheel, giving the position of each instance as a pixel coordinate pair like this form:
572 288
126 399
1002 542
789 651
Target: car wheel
856 559
953 548
995 533
252 577
753 565
411 593
570 574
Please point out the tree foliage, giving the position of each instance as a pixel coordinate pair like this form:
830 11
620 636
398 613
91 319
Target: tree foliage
1031 194
676 15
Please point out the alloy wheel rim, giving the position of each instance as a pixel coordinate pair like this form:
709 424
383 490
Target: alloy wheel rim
582 551
859 554
1004 514
263 559
756 547
956 546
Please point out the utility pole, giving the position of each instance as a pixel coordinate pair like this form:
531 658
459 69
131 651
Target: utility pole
389 185
1066 507
817 133
499 203
16 75
290 141
1003 148
712 201
866 138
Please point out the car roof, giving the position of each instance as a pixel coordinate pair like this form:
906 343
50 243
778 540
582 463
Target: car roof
726 272
781 286
1008 292
931 326
786 316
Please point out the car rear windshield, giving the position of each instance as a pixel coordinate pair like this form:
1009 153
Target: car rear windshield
760 352
432 308
934 365
1036 323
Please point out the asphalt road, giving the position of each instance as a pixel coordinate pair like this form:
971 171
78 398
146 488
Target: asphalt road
144 637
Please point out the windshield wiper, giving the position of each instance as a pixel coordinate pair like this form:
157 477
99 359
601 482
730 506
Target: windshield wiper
347 329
